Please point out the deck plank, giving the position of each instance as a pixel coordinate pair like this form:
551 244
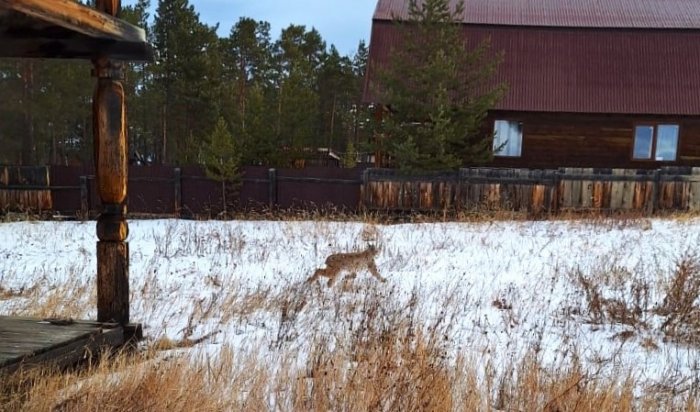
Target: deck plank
28 340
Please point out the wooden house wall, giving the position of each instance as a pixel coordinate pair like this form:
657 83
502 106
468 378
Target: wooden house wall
552 140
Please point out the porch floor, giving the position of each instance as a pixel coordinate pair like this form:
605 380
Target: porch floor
52 342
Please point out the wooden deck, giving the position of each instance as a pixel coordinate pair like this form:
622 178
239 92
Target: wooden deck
28 341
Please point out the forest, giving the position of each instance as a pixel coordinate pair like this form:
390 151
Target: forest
280 98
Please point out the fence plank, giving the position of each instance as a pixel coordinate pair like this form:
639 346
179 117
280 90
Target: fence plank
694 201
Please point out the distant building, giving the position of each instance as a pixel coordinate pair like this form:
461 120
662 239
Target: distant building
611 83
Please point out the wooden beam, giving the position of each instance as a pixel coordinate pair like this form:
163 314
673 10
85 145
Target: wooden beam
74 48
79 18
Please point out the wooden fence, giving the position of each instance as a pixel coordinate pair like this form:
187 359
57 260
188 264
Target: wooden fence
186 191
25 188
173 191
535 191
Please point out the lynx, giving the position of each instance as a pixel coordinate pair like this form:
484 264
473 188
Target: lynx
350 262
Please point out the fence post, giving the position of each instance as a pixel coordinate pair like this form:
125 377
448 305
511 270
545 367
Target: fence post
655 191
177 180
363 190
84 197
272 187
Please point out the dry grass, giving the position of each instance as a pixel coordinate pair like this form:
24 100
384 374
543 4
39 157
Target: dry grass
367 348
395 358
389 373
618 297
331 213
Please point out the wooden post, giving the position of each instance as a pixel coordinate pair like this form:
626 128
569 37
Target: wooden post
364 190
178 191
111 168
84 198
272 187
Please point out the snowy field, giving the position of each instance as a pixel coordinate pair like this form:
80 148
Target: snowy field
497 292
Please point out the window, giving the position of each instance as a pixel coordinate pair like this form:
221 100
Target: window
508 139
661 140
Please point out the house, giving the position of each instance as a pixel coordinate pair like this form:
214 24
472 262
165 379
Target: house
605 84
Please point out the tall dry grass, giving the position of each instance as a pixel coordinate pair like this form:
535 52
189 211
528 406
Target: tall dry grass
367 348
397 357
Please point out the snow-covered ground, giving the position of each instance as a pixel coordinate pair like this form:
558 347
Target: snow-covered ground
508 288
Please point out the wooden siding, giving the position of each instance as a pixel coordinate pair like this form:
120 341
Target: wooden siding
598 141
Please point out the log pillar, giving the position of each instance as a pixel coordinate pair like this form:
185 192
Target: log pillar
111 168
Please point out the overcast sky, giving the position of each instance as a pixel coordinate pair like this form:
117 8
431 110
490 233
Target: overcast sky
340 22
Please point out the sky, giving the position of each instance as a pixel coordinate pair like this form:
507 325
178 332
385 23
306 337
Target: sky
342 23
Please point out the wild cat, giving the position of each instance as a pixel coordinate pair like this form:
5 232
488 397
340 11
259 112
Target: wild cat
348 262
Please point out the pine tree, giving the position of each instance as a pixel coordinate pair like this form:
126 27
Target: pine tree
336 84
298 55
350 157
187 76
247 98
436 88
222 158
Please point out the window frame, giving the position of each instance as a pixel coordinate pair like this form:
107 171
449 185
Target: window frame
654 137
522 138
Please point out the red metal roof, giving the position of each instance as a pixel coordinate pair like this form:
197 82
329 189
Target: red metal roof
668 14
580 70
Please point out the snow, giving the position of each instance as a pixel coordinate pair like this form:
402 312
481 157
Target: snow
509 285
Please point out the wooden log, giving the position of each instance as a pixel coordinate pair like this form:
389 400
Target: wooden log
111 171
77 17
109 129
111 7
113 282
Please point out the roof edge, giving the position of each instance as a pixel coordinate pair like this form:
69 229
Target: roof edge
77 17
555 27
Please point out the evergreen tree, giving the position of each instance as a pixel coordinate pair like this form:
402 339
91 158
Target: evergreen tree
282 98
298 57
222 158
246 99
336 97
187 75
350 157
142 97
11 130
436 88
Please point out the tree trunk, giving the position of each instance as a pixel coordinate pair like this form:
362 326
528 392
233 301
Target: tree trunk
330 135
28 144
164 148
